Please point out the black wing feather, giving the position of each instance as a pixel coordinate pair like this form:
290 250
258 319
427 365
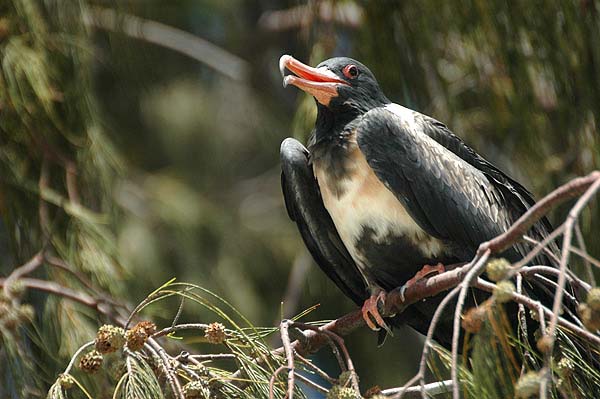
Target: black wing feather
449 198
441 134
509 190
305 207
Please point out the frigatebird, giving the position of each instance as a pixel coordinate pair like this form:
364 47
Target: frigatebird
383 193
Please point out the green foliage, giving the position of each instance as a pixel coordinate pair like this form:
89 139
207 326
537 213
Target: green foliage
142 374
500 365
57 172
132 164
139 381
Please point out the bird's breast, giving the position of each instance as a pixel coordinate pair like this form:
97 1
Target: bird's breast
367 216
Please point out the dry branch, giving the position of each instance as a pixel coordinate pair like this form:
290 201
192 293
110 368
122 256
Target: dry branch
562 194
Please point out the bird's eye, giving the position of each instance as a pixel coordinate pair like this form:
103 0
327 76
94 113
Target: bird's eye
350 71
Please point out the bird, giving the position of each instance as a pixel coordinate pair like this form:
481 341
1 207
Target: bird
383 195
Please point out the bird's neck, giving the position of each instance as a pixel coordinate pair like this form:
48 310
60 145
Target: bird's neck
329 124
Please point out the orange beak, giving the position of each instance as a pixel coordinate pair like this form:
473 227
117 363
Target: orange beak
321 83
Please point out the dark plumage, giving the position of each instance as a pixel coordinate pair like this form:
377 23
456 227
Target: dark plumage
382 190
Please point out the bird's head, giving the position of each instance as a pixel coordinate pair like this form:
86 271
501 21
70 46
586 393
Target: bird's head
340 84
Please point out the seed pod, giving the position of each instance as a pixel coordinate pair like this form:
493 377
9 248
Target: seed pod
593 299
497 269
565 367
137 336
503 291
91 361
589 317
339 392
195 390
109 338
215 333
66 381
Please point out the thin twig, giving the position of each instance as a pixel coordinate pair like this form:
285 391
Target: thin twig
60 264
30 266
540 246
86 282
431 389
545 248
76 355
542 311
593 261
311 383
289 355
587 262
316 369
522 318
65 292
340 342
464 288
55 288
172 379
213 356
272 381
565 192
429 338
528 271
571 220
179 327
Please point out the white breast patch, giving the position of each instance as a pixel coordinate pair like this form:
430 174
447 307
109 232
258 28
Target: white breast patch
362 200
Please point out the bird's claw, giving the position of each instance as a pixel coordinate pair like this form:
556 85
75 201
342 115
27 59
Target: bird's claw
401 292
426 271
370 310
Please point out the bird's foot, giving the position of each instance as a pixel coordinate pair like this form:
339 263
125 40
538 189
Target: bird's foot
371 309
426 271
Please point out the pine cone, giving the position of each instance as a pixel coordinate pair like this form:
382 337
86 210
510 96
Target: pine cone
589 317
66 381
91 362
339 392
138 335
215 333
593 299
109 338
497 269
195 390
503 291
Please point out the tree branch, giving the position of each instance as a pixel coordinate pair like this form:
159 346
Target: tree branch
564 193
19 272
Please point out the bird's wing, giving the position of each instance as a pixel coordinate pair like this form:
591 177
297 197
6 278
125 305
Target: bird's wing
450 191
517 197
305 207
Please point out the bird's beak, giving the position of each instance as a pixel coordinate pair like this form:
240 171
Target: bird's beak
321 83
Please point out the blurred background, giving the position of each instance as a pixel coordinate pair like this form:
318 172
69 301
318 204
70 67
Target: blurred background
174 138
